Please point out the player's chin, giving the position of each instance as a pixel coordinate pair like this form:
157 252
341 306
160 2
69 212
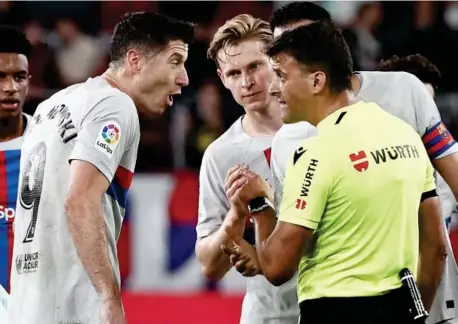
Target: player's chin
286 116
5 114
255 106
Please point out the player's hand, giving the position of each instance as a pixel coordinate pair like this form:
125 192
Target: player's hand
248 187
243 258
111 312
234 180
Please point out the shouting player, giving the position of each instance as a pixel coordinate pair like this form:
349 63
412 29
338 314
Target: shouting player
237 49
14 85
77 165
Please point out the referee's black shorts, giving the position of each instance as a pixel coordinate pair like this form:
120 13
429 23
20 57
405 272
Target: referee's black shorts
389 308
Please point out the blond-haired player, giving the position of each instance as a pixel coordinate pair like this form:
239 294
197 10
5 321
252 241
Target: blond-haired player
238 51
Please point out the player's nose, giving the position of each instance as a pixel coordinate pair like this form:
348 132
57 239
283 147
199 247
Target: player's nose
183 79
9 85
274 88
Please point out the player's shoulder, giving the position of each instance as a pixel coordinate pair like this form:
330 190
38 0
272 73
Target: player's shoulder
385 78
296 131
227 143
99 92
309 147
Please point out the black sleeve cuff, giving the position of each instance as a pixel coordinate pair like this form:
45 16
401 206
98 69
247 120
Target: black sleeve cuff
428 194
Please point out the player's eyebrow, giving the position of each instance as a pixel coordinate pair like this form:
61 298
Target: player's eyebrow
278 71
177 56
231 71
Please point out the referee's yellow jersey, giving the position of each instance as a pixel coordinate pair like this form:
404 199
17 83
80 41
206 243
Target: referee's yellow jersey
358 185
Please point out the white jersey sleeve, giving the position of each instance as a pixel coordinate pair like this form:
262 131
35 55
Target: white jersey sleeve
285 142
436 138
107 130
213 203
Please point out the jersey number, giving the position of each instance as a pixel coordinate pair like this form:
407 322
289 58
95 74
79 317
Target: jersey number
32 185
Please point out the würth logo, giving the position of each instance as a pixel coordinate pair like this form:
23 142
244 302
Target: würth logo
360 161
300 204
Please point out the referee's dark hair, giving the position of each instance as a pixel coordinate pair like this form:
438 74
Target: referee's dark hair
297 11
147 31
13 40
319 46
415 64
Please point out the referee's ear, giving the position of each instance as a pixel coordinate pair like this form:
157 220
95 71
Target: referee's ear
317 82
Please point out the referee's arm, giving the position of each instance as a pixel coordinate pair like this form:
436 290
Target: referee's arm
280 246
432 242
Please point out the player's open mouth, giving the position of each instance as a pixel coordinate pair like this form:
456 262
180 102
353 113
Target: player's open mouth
170 97
9 104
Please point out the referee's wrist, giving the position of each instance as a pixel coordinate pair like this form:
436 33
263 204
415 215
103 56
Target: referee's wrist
259 204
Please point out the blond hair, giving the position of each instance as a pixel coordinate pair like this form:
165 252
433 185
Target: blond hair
236 30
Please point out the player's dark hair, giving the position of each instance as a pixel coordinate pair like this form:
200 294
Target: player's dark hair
13 40
319 46
297 11
415 64
146 31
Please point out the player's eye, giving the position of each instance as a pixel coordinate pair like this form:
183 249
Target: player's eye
19 78
175 63
234 73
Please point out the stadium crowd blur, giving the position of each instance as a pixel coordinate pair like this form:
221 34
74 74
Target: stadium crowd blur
70 44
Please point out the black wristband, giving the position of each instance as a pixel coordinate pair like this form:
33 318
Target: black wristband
428 194
258 204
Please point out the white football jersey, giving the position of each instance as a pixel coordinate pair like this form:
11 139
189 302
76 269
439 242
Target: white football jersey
263 302
92 122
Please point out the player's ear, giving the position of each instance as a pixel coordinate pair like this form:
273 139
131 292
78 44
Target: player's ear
317 81
221 76
133 61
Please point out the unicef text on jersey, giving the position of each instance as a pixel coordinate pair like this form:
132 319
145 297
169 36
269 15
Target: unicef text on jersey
7 213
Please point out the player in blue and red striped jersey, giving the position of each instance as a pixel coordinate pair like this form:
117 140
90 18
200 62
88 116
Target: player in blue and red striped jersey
14 85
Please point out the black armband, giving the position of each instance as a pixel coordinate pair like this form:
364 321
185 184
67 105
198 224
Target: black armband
259 204
428 194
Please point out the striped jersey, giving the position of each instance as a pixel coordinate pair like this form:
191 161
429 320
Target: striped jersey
10 155
92 122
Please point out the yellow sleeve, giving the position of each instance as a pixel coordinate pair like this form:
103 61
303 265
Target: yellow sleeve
306 188
430 182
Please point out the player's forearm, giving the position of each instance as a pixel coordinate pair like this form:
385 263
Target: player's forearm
430 269
87 229
267 249
215 264
448 169
432 249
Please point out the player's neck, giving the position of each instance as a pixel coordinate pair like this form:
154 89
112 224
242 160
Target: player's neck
355 84
115 81
11 128
331 104
265 123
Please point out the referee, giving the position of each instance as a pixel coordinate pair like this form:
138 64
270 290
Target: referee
350 217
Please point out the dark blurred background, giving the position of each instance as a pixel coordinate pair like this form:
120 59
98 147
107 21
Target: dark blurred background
71 39
70 42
